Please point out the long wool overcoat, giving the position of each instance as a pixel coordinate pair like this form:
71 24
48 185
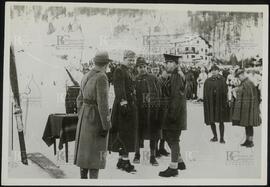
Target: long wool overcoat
124 119
148 93
216 107
246 111
90 147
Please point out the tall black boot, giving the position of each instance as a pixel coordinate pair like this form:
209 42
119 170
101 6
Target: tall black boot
93 173
214 131
247 134
221 130
83 173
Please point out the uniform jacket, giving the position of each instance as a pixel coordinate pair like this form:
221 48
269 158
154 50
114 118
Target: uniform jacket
175 111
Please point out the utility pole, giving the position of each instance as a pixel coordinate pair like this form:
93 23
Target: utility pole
149 44
175 48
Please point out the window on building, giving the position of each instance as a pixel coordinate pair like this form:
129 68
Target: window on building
187 56
186 49
198 41
193 49
202 49
192 56
206 50
205 58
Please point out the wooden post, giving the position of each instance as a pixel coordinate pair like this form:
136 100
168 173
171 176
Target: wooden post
12 125
66 149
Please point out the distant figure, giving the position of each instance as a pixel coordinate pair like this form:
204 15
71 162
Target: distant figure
155 70
190 84
196 73
201 79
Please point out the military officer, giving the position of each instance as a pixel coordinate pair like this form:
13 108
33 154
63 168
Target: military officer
94 119
123 135
175 117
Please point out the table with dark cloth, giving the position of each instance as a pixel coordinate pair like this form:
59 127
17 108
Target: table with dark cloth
62 127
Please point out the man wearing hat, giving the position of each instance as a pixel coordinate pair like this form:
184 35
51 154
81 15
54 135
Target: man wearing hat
94 119
215 103
148 94
124 112
246 110
175 114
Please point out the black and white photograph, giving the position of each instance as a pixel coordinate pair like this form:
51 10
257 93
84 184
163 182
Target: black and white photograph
134 94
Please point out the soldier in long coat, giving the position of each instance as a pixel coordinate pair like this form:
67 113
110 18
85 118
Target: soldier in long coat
94 119
195 72
190 84
175 117
148 94
123 135
246 111
215 102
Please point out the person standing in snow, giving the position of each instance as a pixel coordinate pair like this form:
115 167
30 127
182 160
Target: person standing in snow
201 79
123 135
175 117
94 119
215 103
148 94
246 110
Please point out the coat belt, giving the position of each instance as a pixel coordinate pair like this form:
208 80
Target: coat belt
90 101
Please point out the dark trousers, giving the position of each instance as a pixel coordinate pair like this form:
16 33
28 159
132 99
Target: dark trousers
153 146
172 138
249 131
93 173
221 129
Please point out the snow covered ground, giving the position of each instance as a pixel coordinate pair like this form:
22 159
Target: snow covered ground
203 158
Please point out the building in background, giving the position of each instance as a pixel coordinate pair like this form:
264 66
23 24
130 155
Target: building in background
192 48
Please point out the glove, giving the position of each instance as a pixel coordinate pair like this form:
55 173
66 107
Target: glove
103 133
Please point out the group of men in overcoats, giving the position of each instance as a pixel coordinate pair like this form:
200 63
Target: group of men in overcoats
144 108
147 107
